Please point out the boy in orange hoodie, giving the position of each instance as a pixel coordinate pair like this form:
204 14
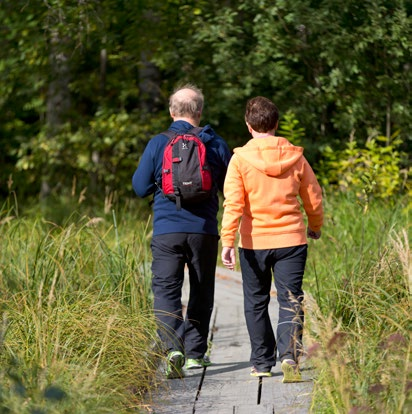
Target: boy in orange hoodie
264 179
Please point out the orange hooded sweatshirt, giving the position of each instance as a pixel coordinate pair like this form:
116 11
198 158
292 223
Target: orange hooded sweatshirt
262 185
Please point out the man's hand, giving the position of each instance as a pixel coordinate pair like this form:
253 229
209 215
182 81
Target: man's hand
315 235
229 257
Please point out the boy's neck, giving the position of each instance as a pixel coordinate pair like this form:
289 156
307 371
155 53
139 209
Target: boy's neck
262 134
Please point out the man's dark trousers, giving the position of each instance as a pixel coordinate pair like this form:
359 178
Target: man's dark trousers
171 252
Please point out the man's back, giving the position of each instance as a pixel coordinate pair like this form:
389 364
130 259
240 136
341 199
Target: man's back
198 217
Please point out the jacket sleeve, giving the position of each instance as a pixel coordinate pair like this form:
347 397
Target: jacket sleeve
234 203
311 195
220 156
143 180
225 156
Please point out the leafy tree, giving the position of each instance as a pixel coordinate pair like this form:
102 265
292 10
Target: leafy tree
70 66
340 66
84 84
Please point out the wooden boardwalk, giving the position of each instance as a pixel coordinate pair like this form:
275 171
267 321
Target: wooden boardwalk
226 387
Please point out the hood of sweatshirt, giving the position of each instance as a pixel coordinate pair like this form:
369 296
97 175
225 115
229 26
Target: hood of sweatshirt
271 155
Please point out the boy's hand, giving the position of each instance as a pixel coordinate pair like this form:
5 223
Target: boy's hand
229 257
315 235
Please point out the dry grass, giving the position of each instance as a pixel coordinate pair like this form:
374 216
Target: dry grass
77 323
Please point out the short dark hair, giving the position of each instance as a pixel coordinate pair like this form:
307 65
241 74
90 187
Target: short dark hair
261 114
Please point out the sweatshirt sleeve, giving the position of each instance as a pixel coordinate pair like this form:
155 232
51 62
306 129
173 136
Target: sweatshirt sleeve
311 195
233 204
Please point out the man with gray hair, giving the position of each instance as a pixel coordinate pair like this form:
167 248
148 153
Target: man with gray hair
183 237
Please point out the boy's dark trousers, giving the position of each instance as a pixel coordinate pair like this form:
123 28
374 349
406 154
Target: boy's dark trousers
287 265
171 252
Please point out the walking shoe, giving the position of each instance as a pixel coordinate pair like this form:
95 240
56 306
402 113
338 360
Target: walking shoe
192 363
255 373
291 372
175 362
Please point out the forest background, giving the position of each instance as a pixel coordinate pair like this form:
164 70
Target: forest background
84 84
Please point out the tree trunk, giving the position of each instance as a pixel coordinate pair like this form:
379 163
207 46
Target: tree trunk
388 122
58 94
58 97
149 80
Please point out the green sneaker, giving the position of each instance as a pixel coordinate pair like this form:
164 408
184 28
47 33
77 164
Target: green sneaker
291 372
192 363
255 373
175 362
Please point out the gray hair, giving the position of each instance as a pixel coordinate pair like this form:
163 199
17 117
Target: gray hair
189 104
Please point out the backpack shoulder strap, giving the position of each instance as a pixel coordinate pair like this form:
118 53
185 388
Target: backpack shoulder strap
170 134
196 130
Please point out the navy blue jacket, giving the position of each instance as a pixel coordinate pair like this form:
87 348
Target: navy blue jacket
195 218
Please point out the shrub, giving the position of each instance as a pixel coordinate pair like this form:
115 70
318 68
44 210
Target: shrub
375 170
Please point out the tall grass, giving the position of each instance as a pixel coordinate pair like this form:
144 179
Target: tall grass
359 309
77 331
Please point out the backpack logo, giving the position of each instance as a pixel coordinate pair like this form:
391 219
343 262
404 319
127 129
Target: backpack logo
186 175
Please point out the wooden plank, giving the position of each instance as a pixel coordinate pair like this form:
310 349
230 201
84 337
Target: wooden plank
227 383
243 409
176 396
256 409
294 398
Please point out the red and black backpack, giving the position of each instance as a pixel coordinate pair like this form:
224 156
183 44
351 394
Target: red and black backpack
186 174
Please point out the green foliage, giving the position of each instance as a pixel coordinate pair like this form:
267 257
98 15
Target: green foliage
289 129
68 82
374 170
100 156
328 62
73 73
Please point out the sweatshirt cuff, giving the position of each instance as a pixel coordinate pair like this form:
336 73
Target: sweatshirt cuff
227 243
